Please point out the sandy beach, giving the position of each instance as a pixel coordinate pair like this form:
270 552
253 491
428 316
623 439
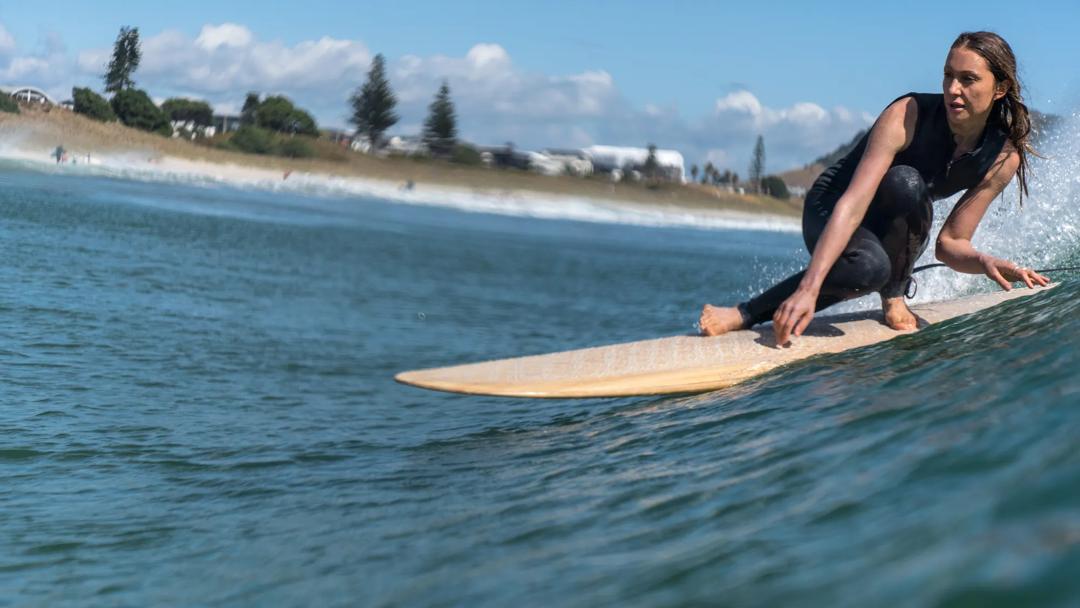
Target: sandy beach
113 149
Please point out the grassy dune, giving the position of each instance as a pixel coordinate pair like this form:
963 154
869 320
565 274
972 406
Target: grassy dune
36 131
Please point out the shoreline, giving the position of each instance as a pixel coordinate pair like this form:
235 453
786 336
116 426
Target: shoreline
117 151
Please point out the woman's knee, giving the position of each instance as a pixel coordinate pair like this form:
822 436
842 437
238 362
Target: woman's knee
861 270
904 189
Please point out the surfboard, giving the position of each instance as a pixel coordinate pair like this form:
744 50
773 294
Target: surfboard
681 364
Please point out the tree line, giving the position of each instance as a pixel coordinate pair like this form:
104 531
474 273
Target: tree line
268 124
758 182
373 112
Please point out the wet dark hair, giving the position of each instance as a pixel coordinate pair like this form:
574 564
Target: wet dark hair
1010 110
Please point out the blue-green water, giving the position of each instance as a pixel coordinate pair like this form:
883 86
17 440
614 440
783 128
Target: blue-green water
196 408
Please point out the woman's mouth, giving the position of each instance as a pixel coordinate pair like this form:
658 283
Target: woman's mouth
956 106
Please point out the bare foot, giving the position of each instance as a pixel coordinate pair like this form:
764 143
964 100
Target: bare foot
716 320
897 314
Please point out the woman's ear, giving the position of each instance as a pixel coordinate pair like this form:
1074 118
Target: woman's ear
1001 89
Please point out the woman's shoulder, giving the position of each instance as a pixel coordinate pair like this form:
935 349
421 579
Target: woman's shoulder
903 115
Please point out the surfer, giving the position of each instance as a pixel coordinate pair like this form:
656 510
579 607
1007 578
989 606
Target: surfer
868 217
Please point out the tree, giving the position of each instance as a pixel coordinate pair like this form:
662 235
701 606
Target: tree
124 62
709 169
92 105
248 112
7 104
775 187
651 168
135 109
277 113
373 104
188 110
252 140
757 164
440 128
693 173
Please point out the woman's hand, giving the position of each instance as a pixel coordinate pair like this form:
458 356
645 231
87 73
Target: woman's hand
794 315
1005 273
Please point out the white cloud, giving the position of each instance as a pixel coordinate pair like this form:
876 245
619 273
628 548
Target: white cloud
7 42
483 55
496 100
740 102
227 34
49 67
793 135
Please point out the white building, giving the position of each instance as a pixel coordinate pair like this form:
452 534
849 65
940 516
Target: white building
29 95
573 162
609 158
407 145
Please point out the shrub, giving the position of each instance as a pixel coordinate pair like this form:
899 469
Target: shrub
277 113
295 147
7 104
466 155
252 140
92 105
135 109
186 110
775 187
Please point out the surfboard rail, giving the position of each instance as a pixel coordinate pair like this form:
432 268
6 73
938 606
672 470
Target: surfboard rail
680 364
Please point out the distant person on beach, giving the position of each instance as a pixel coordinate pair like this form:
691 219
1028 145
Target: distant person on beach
59 153
868 217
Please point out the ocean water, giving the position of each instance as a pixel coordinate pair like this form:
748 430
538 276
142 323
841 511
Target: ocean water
197 408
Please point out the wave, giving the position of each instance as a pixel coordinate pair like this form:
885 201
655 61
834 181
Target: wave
516 203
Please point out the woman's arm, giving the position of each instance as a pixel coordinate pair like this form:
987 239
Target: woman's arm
954 241
891 133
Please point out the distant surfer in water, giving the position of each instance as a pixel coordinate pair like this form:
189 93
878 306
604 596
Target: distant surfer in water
868 217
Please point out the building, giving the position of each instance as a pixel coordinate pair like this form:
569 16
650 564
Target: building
573 162
608 159
190 129
31 96
503 157
225 123
406 145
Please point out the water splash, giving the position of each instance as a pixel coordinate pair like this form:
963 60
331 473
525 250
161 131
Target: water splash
1044 233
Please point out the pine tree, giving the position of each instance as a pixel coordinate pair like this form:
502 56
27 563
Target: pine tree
373 104
125 60
440 128
693 172
651 168
251 106
757 164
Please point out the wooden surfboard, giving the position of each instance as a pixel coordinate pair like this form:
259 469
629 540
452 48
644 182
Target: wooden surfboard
680 364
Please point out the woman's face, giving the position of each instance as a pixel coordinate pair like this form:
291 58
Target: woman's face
969 86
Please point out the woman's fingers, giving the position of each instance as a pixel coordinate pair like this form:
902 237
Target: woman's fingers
1027 278
780 325
995 274
1037 279
800 327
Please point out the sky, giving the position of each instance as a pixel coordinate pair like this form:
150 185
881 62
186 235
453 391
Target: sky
702 78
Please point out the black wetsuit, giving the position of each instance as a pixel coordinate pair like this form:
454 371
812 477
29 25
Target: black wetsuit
882 252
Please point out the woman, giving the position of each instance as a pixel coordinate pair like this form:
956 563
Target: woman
867 218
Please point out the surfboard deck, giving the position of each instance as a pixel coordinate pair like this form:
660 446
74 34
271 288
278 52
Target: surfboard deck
680 364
